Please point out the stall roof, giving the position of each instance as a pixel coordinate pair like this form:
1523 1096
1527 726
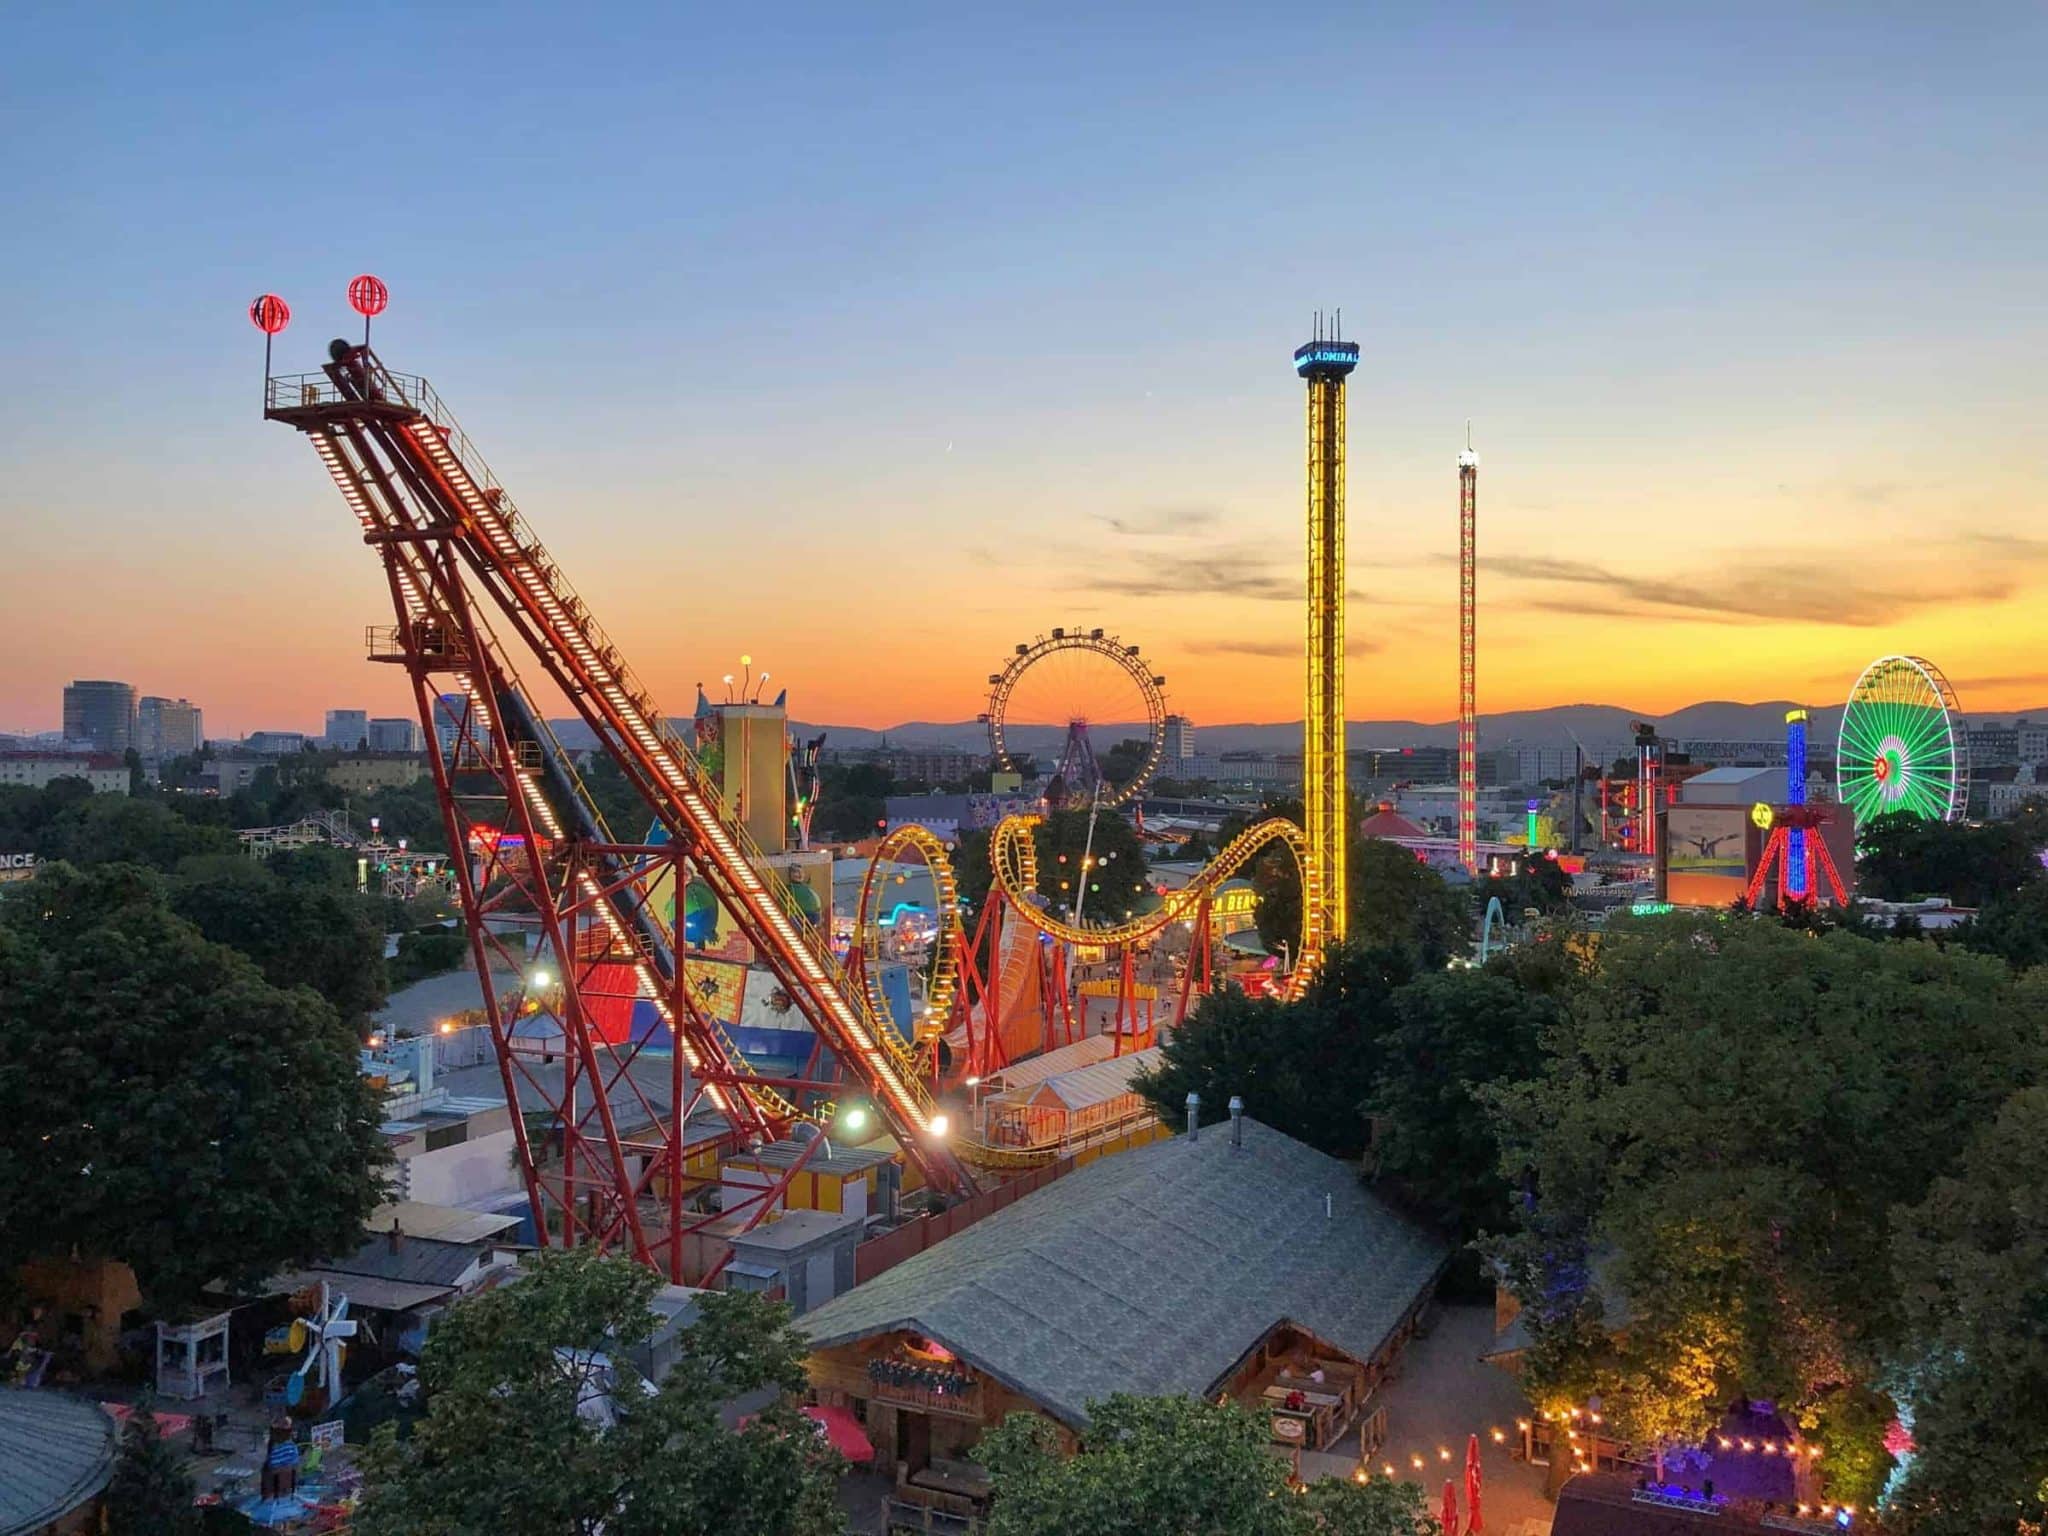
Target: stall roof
372 1291
56 1452
1085 1087
1065 1058
1155 1271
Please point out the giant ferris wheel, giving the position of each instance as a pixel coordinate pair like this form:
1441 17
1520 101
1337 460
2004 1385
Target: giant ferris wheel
1902 746
1079 693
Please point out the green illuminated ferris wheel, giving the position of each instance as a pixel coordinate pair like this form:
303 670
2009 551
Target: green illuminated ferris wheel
1902 746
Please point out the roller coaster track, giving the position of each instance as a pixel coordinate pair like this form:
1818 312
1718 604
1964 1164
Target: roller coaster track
456 547
1013 855
945 974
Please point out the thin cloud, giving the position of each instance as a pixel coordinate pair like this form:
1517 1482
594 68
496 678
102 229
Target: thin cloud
1757 586
1161 522
1287 649
1216 573
2013 680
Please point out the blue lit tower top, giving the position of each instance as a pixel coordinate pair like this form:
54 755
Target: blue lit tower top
1325 359
1796 883
1795 757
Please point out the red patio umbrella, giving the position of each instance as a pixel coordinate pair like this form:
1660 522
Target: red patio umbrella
843 1430
1473 1521
1449 1515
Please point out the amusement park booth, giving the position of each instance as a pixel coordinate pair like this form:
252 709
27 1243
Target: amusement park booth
1714 837
1075 1103
1249 1265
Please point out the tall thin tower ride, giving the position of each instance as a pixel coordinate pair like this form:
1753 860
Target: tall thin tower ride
1468 651
1325 363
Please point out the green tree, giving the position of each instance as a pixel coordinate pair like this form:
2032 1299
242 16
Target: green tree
1732 1110
1146 1466
537 1425
1120 764
1175 1466
852 800
1972 1264
150 1490
1851 1422
161 1103
1397 900
117 829
2012 925
1305 1068
625 811
1901 857
298 933
1337 1506
1115 880
1452 1036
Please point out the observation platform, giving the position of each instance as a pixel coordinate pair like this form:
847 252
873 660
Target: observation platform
1325 359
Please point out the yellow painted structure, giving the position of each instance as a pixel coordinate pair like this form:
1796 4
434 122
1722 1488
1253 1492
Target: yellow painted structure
1325 365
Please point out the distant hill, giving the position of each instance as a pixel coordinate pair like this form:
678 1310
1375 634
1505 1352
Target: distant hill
1596 726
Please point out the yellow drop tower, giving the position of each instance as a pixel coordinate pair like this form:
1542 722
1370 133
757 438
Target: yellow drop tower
1325 364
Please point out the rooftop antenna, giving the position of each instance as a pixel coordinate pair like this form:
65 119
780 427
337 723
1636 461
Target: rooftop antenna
1340 325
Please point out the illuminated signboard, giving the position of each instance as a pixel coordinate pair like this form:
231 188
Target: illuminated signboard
17 866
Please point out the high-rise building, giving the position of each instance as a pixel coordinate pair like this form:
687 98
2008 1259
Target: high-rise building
1180 744
168 728
451 719
347 730
397 734
102 713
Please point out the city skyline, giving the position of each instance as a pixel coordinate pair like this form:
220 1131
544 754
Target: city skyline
978 332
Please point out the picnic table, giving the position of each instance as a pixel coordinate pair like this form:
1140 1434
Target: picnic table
967 1480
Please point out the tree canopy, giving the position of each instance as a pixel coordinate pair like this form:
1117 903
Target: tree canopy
1902 857
1972 1268
538 1425
1727 1116
288 916
160 1102
150 1491
1375 1052
1175 1466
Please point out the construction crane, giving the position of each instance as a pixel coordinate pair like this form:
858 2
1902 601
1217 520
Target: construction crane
461 561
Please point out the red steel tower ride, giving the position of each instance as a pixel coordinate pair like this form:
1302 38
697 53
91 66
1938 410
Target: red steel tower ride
611 1155
1468 650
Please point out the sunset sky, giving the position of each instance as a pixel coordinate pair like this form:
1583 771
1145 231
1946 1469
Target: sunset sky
871 340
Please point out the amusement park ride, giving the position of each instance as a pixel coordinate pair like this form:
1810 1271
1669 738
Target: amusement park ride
605 1159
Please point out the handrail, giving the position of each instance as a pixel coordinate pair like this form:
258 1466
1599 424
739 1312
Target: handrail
1013 856
519 556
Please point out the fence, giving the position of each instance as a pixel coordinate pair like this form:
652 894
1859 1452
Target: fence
892 1248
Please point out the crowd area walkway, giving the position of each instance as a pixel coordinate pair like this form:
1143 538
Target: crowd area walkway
1443 1395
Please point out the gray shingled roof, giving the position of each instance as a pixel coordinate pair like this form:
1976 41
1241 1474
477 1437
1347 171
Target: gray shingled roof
55 1453
1154 1271
419 1260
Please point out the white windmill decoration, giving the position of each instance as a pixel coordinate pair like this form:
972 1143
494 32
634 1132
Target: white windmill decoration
326 1333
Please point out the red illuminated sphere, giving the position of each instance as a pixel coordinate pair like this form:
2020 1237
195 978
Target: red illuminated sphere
367 295
270 314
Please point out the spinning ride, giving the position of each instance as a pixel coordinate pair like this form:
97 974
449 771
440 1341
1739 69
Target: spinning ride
1902 746
1069 681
